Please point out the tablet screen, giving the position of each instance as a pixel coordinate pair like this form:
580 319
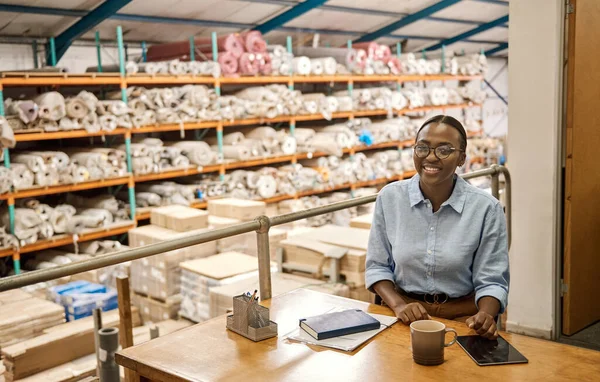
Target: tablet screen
490 352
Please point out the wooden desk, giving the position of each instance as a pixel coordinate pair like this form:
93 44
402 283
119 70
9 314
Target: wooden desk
209 352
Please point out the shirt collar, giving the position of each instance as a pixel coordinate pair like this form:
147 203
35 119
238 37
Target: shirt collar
456 200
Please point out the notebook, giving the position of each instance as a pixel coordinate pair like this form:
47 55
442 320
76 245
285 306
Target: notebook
348 343
338 324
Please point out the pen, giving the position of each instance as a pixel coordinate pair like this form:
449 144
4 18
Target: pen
253 295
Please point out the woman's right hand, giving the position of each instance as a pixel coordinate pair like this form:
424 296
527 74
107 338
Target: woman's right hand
412 312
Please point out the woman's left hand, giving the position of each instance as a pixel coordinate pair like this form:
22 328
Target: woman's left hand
484 324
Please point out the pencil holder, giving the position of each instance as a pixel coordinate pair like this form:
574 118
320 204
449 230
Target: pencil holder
250 319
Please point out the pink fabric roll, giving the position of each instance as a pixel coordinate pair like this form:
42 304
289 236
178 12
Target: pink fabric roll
265 64
254 42
357 57
228 63
384 53
231 43
249 64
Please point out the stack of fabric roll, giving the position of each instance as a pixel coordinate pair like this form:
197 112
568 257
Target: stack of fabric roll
244 53
393 129
472 94
154 194
173 67
258 142
341 218
51 111
365 58
35 220
151 155
380 98
49 168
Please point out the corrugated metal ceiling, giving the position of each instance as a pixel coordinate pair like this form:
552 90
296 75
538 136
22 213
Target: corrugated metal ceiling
338 20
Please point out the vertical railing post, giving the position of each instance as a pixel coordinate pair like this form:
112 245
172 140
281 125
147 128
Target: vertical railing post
264 257
496 185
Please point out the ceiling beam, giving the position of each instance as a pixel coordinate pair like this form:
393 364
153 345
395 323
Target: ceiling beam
208 23
469 33
363 11
497 2
289 15
406 20
497 49
86 23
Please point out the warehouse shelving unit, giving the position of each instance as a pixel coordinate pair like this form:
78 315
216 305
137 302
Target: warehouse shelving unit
25 79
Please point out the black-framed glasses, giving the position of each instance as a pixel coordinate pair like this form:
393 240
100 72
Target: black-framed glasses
441 152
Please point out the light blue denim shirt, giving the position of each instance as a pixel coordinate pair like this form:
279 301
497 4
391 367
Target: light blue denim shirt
457 250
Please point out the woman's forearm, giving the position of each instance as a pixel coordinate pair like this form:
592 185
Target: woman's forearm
489 305
387 291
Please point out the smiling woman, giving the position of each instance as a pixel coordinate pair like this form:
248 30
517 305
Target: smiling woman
438 246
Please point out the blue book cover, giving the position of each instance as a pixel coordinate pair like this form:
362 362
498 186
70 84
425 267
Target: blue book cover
339 324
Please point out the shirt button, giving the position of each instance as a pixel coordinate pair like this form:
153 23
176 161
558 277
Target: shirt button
431 228
428 273
429 251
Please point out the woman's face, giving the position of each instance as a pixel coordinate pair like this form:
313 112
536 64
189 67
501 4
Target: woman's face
433 170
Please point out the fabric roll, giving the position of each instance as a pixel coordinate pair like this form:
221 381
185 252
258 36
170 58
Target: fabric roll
147 199
328 63
51 106
89 98
105 215
106 202
254 42
90 123
22 177
26 111
239 153
301 66
59 220
7 136
108 122
6 180
249 64
316 68
78 223
142 165
266 187
304 135
199 153
47 177
68 124
228 63
35 163
113 107
289 146
88 159
76 108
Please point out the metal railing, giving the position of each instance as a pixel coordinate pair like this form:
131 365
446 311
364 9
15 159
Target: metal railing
261 225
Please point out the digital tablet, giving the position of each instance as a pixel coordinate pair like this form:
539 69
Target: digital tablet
490 352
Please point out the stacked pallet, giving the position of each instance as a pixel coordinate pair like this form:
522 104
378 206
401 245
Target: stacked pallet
200 275
56 346
86 366
23 316
156 280
230 211
315 252
221 297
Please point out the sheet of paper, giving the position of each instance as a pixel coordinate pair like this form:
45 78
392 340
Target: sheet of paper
346 343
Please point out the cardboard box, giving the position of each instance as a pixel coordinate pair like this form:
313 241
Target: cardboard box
217 222
56 346
153 310
179 218
363 222
311 252
240 209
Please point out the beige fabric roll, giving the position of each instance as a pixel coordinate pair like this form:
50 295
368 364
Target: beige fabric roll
76 108
239 152
52 106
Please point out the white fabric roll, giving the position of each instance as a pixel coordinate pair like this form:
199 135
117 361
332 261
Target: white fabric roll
240 153
35 163
22 176
301 65
51 106
198 152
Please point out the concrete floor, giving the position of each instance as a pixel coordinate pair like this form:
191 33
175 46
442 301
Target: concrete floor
587 338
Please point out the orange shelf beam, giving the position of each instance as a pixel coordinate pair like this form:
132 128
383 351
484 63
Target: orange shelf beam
33 192
60 240
176 173
40 136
